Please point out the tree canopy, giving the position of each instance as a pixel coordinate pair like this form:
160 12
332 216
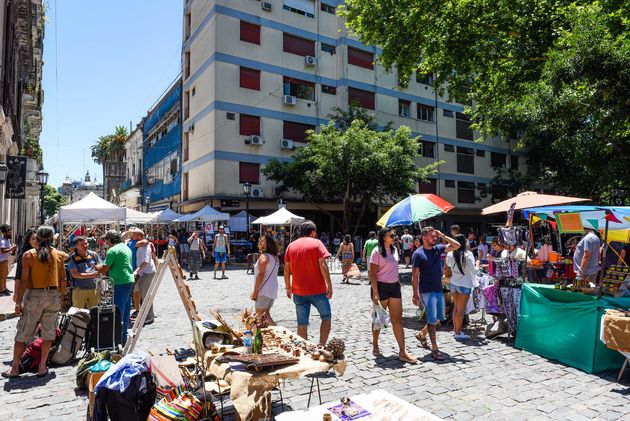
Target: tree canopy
111 146
53 200
354 167
553 74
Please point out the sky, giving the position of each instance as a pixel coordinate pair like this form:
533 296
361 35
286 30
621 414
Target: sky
105 65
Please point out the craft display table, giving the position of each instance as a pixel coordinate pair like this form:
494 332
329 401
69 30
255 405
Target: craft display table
250 390
379 404
565 326
615 333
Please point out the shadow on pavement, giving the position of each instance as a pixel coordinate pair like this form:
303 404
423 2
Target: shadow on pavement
28 381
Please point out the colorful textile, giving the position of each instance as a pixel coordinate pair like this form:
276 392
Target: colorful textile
510 304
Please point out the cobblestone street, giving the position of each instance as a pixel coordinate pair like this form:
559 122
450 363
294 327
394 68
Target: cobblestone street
481 379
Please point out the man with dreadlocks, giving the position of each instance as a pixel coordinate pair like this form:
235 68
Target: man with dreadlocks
38 298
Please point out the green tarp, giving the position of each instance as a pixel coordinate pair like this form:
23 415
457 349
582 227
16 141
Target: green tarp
565 326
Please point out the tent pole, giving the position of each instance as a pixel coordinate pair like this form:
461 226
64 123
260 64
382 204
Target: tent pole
530 242
603 268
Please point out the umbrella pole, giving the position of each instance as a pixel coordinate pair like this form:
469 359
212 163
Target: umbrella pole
530 243
603 268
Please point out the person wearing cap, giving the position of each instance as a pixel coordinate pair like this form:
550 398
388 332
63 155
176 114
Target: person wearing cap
221 249
118 267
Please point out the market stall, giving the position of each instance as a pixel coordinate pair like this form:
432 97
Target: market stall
165 216
205 214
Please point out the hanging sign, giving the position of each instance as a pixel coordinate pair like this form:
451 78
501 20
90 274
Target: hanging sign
16 177
569 223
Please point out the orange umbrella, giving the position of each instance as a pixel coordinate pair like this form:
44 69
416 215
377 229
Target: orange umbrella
530 199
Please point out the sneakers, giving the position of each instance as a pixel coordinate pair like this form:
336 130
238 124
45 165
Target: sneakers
461 336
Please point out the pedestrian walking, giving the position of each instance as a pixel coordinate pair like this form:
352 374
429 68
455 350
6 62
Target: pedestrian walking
427 283
307 280
6 249
370 245
196 254
29 242
184 247
145 271
118 267
386 292
82 267
407 244
345 254
483 249
39 298
221 249
266 276
461 262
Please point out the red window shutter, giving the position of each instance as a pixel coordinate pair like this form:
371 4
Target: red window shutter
296 131
365 99
248 172
250 32
360 58
296 45
249 125
250 78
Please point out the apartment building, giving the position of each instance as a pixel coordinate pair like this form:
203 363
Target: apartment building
258 74
131 189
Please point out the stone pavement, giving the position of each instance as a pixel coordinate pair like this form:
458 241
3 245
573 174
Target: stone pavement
482 380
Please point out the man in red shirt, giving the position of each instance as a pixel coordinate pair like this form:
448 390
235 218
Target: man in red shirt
305 259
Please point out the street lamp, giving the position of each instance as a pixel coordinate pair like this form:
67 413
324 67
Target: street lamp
4 171
42 179
247 189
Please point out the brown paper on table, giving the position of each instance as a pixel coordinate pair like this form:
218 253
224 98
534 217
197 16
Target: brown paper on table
617 330
251 390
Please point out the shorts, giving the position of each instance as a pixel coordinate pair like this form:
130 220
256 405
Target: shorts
40 305
406 253
460 290
85 298
220 257
303 307
434 306
264 303
387 290
184 248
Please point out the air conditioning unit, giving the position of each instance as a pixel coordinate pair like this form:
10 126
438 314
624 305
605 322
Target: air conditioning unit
266 6
286 144
256 140
289 100
310 60
257 192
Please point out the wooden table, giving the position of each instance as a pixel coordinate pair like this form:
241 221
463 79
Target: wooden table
381 405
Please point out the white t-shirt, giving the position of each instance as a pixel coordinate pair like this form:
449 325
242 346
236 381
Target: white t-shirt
517 253
144 255
407 241
483 251
5 243
462 279
221 243
270 287
194 244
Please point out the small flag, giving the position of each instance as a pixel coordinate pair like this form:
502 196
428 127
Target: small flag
611 217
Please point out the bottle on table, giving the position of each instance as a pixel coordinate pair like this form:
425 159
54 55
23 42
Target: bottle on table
247 342
258 341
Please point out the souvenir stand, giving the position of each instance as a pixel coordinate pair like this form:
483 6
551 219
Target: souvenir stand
281 217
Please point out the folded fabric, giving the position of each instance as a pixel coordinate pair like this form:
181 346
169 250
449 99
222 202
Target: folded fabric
119 376
101 366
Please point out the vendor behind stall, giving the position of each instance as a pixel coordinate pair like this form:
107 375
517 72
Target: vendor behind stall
586 257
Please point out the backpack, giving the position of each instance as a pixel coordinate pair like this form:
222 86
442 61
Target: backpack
73 326
88 361
32 355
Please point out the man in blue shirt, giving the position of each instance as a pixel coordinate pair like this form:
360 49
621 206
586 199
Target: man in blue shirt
82 267
426 278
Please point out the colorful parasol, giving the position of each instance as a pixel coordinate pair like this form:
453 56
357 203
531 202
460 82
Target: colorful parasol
530 199
414 208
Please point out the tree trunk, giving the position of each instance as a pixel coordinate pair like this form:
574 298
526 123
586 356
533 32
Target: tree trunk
364 206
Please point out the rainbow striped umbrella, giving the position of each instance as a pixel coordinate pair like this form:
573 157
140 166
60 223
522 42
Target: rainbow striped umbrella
415 208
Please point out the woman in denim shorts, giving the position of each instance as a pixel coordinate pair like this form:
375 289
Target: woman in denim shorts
461 262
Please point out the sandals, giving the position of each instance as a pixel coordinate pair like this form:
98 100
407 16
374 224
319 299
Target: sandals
408 360
44 374
438 356
7 375
423 340
377 353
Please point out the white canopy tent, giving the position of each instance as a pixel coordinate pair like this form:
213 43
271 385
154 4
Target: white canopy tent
91 210
165 216
280 217
205 214
136 217
238 222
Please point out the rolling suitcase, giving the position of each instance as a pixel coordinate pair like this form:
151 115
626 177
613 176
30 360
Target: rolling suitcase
105 329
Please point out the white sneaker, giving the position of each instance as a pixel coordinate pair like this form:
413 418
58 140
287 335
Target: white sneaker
461 336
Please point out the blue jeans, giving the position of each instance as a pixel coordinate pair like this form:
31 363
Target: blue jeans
303 307
434 305
122 299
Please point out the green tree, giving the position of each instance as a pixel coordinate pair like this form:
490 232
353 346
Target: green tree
354 167
53 200
552 73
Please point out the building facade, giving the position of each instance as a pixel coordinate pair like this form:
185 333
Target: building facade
131 190
162 142
75 190
258 75
21 95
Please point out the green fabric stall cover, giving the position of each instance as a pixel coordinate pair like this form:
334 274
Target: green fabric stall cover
565 326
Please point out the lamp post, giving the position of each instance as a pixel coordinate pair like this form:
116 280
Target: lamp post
42 179
247 189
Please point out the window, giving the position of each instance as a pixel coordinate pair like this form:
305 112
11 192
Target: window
186 64
250 32
424 78
187 26
186 105
301 7
462 127
428 149
465 160
465 192
249 125
185 187
296 131
481 153
428 186
296 45
328 9
299 88
514 162
248 172
447 113
363 98
404 108
327 48
425 112
331 90
449 148
250 78
165 170
186 146
360 58
449 183
497 159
